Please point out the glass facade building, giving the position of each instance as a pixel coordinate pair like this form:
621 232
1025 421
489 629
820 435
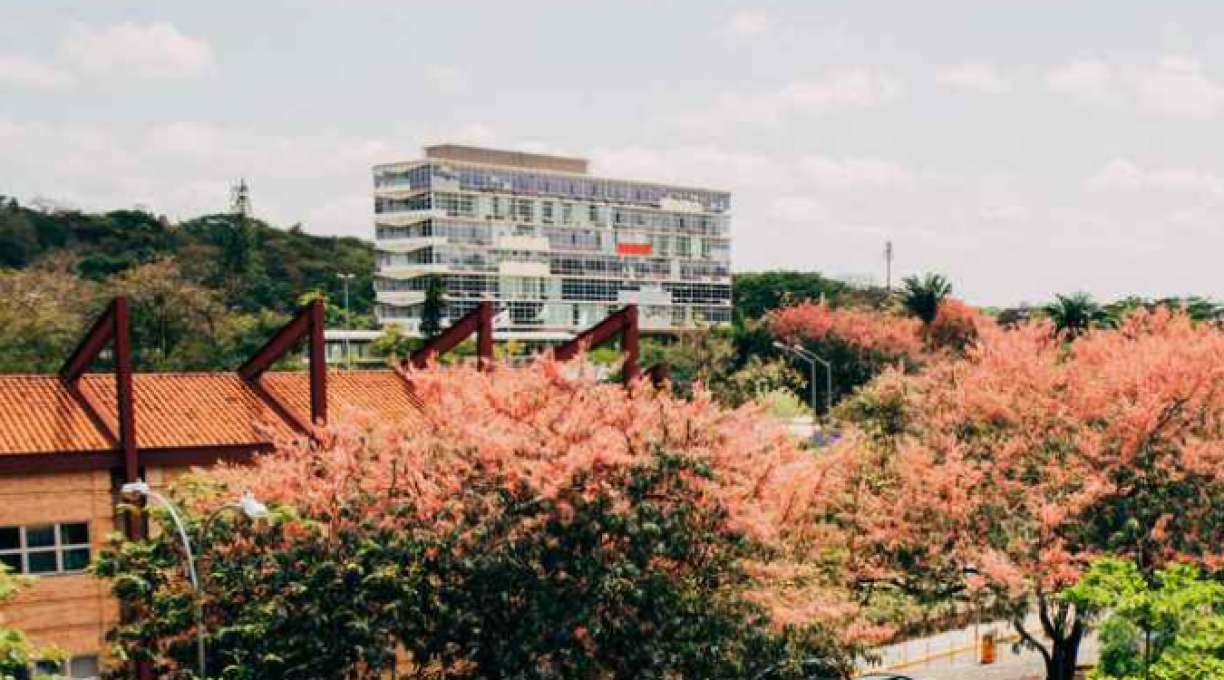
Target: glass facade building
557 249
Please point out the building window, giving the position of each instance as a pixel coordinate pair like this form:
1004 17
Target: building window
45 549
77 668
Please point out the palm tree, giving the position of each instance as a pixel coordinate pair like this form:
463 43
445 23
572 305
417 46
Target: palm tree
921 296
1075 314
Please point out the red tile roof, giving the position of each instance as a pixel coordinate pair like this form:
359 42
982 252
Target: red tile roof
39 414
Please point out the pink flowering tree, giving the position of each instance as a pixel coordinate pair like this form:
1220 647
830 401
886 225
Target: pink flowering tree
1002 475
529 523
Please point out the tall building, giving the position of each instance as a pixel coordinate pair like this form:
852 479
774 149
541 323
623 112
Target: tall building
556 248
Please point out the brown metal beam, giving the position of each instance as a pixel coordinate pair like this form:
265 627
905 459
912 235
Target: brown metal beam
308 324
88 461
622 324
95 340
478 321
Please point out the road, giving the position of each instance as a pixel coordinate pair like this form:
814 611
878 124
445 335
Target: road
951 656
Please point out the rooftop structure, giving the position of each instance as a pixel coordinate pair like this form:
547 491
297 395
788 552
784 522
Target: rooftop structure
553 247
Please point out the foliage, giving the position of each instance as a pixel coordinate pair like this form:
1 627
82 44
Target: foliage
921 296
858 343
43 311
1076 314
711 360
1003 474
16 652
956 326
1169 626
434 307
254 265
531 523
394 344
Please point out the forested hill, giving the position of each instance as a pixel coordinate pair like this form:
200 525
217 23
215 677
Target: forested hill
205 289
276 265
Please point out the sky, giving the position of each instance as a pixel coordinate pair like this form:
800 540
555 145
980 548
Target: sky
1020 147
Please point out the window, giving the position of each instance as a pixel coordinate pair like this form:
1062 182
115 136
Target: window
77 668
45 548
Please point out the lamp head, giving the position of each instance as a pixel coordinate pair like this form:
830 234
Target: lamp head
139 486
251 506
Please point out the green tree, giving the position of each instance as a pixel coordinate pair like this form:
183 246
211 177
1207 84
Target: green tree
1076 314
921 296
434 307
16 652
1169 626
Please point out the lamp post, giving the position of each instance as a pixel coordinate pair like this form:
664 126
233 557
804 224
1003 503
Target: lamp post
247 504
348 318
812 359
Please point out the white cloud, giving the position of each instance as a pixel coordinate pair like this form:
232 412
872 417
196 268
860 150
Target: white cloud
855 174
798 209
1085 79
1179 87
839 90
1172 87
976 77
749 24
1128 176
144 51
448 78
23 72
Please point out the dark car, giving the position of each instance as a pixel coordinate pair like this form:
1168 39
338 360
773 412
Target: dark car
883 676
811 669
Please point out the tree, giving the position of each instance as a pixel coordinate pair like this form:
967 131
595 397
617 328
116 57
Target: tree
1003 474
43 311
1076 314
858 343
1166 625
167 310
16 652
531 523
434 307
921 297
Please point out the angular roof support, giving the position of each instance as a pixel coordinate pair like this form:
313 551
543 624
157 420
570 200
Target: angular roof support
112 328
308 323
478 321
623 324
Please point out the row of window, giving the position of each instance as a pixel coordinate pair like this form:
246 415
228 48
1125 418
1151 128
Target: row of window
463 232
86 667
532 211
45 549
560 264
471 178
569 315
483 286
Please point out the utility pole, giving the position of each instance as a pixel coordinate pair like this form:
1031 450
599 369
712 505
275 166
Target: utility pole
348 319
888 258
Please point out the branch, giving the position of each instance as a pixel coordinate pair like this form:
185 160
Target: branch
1031 641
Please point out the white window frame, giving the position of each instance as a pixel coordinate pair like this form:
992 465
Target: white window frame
59 547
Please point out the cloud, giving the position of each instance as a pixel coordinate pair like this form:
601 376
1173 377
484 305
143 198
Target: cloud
1127 176
1085 79
448 78
975 77
798 209
855 174
23 72
837 90
1179 87
1172 87
748 24
155 51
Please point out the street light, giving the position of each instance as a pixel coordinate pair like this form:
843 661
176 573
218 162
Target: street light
348 317
247 504
812 359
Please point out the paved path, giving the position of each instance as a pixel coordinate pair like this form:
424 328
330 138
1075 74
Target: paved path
951 656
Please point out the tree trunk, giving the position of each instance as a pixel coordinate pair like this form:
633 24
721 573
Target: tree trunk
1064 654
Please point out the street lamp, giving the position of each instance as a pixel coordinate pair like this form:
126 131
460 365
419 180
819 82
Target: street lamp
348 317
812 359
247 504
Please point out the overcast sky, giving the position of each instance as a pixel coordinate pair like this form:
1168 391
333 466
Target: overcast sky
1021 147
